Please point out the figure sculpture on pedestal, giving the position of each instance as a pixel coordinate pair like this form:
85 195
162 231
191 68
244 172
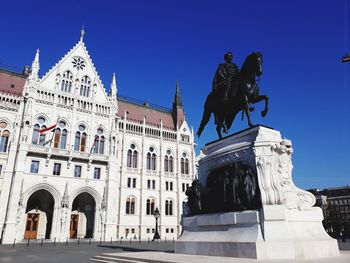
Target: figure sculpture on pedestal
194 197
233 92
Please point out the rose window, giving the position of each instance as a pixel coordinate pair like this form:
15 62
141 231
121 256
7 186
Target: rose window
78 63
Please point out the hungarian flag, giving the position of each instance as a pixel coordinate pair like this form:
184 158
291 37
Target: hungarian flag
48 128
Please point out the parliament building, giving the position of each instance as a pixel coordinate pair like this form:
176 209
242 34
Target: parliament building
77 161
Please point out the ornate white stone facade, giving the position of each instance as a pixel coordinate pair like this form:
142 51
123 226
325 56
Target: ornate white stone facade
100 174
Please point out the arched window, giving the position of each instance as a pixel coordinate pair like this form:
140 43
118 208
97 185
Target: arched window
4 136
60 136
130 206
184 164
132 157
37 137
80 139
151 159
168 162
67 79
85 86
168 207
99 142
150 206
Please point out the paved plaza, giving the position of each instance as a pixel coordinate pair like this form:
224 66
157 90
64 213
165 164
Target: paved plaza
72 252
135 252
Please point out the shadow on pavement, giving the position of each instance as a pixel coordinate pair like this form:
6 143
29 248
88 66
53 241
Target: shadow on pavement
133 249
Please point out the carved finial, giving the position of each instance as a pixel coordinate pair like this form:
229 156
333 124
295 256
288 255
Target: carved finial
82 33
65 198
113 91
34 74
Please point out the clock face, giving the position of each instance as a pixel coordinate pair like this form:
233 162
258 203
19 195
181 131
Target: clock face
78 63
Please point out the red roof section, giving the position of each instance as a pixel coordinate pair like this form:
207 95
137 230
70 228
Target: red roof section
12 82
135 112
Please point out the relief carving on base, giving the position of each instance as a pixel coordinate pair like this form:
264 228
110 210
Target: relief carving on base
293 197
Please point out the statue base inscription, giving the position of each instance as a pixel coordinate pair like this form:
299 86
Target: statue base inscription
284 224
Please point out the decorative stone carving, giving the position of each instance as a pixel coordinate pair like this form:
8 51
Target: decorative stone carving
20 205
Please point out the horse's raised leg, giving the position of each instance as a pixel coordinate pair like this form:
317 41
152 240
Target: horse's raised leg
266 98
260 98
247 110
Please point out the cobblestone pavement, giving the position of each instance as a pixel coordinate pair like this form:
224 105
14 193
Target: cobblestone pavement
73 253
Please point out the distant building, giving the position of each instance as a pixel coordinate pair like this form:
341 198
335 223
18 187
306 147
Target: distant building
78 162
335 203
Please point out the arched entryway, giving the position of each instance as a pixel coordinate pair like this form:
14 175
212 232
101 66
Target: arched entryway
39 214
82 221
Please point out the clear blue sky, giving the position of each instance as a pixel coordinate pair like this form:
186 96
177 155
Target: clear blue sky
151 44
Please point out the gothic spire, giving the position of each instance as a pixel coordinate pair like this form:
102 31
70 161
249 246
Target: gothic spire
177 99
178 111
34 74
113 90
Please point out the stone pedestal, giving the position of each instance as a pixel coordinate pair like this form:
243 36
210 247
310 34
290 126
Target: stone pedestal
286 227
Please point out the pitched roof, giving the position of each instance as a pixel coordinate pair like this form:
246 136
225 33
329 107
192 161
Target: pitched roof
136 111
12 82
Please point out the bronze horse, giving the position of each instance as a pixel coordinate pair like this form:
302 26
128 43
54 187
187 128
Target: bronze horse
243 93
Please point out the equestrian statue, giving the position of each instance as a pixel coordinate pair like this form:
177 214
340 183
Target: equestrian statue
233 91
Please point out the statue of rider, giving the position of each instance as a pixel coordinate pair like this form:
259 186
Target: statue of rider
224 78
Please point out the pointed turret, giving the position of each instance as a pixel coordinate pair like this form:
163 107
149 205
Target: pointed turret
177 99
34 74
65 198
113 90
178 111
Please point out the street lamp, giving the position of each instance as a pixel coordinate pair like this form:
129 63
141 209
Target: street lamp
156 216
346 58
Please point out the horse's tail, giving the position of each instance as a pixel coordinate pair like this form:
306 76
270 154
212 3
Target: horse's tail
206 115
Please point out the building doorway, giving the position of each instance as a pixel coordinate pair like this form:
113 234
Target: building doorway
39 211
31 226
74 220
83 216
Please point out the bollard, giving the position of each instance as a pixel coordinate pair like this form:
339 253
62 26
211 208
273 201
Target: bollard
78 241
28 242
100 240
139 240
89 241
54 241
110 242
130 240
41 243
14 242
67 241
